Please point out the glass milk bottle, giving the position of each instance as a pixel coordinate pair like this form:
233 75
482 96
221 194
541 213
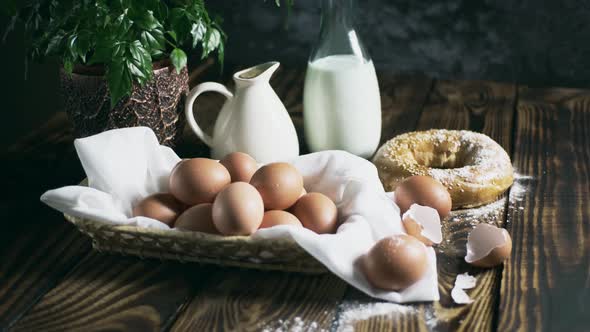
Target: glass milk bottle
341 102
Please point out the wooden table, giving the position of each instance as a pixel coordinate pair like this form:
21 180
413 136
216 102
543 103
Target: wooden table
52 280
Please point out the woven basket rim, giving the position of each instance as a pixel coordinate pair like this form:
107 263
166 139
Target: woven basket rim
177 234
112 237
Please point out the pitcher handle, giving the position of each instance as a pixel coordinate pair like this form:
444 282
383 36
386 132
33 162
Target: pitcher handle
190 100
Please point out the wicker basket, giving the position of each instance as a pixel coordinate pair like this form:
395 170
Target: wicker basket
241 251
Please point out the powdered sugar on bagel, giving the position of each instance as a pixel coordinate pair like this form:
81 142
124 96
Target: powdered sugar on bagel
474 168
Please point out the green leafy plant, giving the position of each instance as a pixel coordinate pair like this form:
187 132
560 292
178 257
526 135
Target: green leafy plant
125 36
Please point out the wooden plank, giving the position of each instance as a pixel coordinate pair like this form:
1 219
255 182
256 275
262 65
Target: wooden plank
545 284
115 293
34 260
249 300
402 100
256 300
480 106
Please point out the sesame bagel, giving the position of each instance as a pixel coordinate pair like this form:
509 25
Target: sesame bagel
472 166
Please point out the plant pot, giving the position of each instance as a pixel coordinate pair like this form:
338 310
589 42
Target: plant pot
158 104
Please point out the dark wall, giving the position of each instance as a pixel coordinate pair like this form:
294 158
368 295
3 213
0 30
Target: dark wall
533 42
539 43
26 101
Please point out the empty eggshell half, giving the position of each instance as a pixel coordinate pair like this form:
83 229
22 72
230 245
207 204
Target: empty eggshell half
423 223
488 246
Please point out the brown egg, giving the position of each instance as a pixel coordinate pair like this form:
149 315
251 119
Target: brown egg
423 190
303 192
198 180
279 184
161 206
316 212
395 262
238 209
197 219
240 165
278 217
178 163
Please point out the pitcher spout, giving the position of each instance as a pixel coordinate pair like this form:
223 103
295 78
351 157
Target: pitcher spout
262 72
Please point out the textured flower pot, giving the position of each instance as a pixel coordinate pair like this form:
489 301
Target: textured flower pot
159 104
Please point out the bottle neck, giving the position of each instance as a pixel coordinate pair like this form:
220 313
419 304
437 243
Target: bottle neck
337 33
336 13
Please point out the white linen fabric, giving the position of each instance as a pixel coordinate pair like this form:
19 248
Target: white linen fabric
125 165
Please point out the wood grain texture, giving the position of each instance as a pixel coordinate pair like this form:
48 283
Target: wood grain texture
108 292
34 260
402 100
479 106
545 285
249 300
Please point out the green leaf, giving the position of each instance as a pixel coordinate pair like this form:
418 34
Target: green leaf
68 66
173 35
178 58
147 21
179 23
140 62
211 42
119 82
122 25
153 40
54 43
198 32
103 52
162 10
83 44
221 56
72 47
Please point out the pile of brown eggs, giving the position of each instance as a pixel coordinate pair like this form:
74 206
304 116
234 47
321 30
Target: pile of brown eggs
235 197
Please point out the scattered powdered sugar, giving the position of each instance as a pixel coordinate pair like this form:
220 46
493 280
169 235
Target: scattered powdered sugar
294 325
519 187
350 313
355 312
493 212
490 212
518 192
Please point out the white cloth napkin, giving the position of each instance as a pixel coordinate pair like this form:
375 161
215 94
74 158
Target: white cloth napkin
125 165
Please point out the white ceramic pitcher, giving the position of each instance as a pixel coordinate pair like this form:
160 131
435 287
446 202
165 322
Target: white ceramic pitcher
253 120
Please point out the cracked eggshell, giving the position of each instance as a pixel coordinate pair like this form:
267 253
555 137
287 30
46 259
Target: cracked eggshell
460 297
488 246
462 282
465 281
423 223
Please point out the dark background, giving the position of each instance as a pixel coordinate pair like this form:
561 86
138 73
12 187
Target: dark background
537 43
